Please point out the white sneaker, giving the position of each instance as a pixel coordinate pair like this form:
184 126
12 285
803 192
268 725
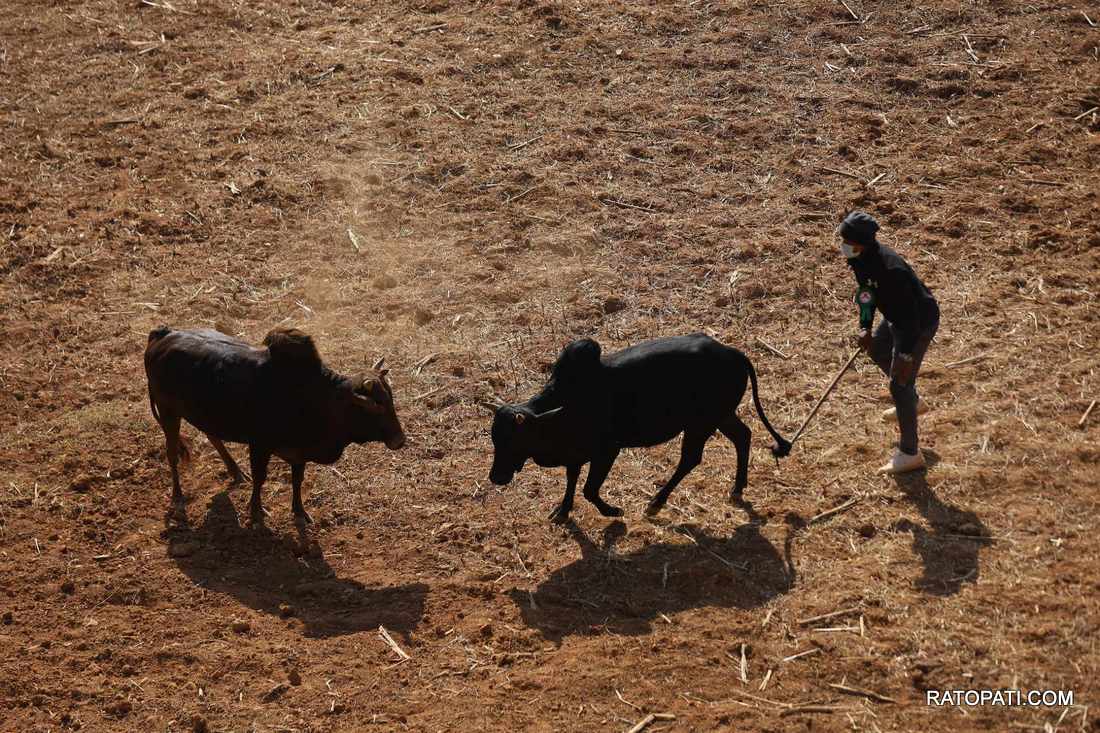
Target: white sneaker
903 463
892 414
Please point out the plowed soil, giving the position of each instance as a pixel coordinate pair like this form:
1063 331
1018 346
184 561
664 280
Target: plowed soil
464 187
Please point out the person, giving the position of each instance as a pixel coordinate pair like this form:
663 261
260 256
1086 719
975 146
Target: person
911 317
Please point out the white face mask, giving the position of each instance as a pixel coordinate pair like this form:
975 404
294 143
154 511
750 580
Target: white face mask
848 250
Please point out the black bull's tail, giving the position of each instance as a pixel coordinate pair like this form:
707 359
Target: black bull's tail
155 335
782 447
184 448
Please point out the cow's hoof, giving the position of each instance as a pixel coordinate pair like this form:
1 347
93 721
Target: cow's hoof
610 511
301 516
654 508
560 515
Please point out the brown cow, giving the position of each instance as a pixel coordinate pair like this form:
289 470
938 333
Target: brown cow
281 400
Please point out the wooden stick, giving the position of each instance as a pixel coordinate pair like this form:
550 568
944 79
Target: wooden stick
392 644
767 679
1089 20
1086 113
771 348
827 616
744 666
862 693
806 653
835 510
1085 417
834 629
828 391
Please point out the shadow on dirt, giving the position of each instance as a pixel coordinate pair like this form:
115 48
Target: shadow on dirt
625 593
950 547
264 571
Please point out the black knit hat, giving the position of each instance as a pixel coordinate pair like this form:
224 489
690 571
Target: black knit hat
859 228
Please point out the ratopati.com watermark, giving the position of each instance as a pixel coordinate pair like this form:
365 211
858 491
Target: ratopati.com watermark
1007 698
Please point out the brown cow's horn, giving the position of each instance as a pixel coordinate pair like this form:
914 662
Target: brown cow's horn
490 407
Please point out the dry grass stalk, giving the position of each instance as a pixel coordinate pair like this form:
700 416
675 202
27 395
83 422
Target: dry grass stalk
771 348
862 693
806 653
835 510
827 616
968 360
624 701
1085 417
649 720
625 205
813 709
392 644
757 698
849 9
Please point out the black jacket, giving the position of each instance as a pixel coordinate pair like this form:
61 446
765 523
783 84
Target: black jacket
900 296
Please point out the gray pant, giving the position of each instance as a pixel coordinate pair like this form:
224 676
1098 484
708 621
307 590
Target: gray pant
883 352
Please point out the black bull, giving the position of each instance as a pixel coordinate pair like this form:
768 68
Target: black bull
642 396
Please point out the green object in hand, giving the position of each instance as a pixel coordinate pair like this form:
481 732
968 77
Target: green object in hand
865 299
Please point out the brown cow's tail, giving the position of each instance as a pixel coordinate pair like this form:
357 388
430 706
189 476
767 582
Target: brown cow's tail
782 447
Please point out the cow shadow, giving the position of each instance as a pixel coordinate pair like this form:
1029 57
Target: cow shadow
287 576
626 593
949 547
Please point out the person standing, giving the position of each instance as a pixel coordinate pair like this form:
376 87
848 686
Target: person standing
911 317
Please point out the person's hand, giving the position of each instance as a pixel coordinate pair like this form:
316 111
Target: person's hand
902 369
863 340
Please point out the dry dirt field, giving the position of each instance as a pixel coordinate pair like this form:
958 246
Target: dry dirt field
464 187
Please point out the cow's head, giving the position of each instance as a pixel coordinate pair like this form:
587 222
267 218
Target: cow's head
374 416
515 432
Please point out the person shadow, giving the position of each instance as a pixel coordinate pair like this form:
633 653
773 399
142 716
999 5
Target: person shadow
286 576
626 593
950 546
